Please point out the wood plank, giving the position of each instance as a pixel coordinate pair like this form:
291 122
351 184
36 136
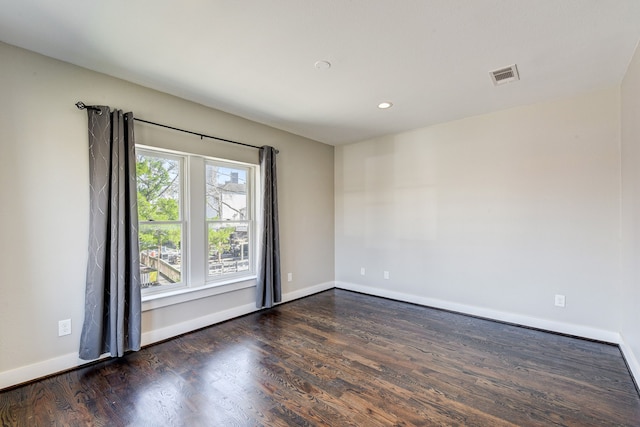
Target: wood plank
342 358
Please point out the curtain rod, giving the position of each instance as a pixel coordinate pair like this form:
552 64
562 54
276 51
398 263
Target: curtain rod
82 106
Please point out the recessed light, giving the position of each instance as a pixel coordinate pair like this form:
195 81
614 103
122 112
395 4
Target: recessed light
385 105
322 65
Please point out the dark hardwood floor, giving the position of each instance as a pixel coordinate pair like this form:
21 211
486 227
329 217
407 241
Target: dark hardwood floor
343 359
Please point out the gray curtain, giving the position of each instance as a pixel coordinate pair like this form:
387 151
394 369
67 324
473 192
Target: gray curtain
112 296
269 290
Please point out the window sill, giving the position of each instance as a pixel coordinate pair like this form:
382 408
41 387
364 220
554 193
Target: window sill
177 296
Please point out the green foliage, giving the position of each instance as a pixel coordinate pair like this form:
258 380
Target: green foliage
157 189
147 239
153 236
158 186
219 240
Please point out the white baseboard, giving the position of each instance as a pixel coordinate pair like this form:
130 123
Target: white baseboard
632 361
39 369
71 360
290 296
174 330
518 319
549 325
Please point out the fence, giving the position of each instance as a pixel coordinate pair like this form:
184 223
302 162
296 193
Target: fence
165 269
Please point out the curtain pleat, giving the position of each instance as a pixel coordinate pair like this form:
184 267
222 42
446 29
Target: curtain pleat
269 289
112 319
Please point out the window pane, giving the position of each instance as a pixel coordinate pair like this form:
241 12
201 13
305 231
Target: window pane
226 193
228 247
160 254
158 188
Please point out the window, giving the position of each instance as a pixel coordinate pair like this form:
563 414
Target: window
228 215
196 220
160 213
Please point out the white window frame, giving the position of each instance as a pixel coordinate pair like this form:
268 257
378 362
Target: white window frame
196 282
250 220
183 219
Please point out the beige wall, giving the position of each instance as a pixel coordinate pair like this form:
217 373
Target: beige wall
630 304
492 215
44 204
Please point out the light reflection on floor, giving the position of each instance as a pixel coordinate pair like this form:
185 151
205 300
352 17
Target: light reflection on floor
225 385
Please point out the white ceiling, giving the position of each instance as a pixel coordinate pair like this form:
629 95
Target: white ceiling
255 58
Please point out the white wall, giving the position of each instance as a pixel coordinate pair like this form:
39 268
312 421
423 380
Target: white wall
630 305
491 215
44 205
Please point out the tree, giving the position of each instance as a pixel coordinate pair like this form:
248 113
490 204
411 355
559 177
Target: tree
158 200
219 240
158 189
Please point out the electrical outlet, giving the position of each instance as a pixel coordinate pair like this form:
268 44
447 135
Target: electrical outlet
64 327
386 274
362 271
290 277
560 301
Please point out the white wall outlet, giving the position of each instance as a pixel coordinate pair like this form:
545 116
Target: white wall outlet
362 271
386 274
290 277
64 327
560 301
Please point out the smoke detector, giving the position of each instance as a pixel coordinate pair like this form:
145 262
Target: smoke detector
505 75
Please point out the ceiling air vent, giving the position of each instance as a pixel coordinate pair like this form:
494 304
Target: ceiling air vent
504 75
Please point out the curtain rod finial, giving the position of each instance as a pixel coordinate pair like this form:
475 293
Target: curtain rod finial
82 106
